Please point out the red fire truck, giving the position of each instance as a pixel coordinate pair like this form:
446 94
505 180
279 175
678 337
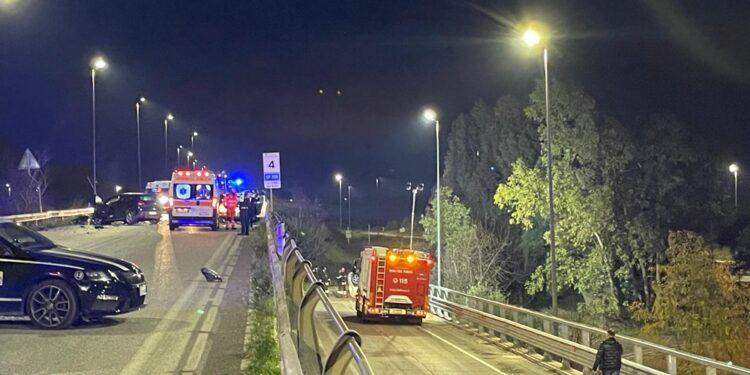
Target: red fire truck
393 283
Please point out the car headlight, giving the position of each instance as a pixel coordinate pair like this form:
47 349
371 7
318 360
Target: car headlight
163 200
101 275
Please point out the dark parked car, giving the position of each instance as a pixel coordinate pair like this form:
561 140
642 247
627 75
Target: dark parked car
55 286
128 207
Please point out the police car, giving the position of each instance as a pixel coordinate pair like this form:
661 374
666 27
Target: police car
55 286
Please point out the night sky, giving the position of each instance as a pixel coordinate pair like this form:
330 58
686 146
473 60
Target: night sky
246 75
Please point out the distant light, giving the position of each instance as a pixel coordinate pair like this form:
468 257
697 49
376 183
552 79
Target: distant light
320 91
734 168
7 185
291 200
190 153
238 181
179 148
170 117
338 92
338 177
118 188
492 168
531 37
99 63
430 114
142 100
195 134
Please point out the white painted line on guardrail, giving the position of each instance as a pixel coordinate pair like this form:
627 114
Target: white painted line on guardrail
464 351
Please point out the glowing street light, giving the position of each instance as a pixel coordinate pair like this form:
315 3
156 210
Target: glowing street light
192 140
430 115
189 155
138 103
414 190
7 186
734 169
340 179
97 63
179 148
118 188
166 153
532 38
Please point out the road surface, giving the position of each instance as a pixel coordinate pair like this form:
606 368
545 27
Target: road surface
187 324
436 347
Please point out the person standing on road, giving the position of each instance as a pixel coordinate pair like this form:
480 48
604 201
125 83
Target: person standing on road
245 202
254 208
230 202
609 355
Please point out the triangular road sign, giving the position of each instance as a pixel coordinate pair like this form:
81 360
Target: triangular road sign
28 161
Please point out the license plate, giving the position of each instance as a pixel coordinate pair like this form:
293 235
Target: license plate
142 290
397 311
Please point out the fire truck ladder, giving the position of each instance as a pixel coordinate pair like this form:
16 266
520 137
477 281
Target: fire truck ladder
380 283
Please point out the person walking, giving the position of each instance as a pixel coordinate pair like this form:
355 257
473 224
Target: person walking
609 355
253 212
230 202
245 202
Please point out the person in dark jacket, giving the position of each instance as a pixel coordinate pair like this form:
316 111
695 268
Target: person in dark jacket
609 355
245 203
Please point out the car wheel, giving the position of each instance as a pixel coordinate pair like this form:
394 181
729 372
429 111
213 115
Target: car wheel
130 218
52 304
172 226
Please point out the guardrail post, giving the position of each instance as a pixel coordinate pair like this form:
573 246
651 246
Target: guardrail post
307 337
339 357
565 333
710 371
547 327
638 352
586 338
671 365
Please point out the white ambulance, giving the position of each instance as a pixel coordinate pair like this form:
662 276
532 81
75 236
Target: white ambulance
193 199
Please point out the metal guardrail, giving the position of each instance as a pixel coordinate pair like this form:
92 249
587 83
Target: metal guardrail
47 215
291 274
568 341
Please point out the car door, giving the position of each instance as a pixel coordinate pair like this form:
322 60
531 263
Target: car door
12 281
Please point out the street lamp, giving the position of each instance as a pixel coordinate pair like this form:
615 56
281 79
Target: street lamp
339 178
179 148
138 135
533 38
98 63
7 186
118 188
349 205
192 140
734 169
189 155
414 190
431 116
166 153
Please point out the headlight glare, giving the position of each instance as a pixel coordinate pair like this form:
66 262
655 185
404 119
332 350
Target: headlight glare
97 276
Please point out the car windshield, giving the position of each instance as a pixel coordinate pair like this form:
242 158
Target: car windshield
24 238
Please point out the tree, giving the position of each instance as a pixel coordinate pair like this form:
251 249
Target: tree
305 218
699 305
472 259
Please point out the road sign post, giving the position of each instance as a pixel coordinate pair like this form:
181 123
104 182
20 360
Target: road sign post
271 172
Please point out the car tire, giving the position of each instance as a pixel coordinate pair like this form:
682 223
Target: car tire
52 304
172 226
130 218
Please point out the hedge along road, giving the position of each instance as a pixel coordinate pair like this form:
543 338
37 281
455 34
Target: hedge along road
174 333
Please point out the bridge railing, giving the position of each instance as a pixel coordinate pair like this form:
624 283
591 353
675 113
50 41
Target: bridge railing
566 341
47 215
298 293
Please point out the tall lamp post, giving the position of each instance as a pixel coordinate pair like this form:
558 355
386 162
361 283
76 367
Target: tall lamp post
166 153
734 169
349 205
179 148
138 136
431 115
98 63
532 38
7 186
192 141
414 190
339 178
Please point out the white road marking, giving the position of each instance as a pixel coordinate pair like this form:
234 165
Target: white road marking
195 355
218 297
154 340
208 322
464 351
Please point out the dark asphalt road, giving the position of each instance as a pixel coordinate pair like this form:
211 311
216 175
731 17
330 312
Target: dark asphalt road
187 323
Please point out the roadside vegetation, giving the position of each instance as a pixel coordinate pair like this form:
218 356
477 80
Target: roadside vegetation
262 351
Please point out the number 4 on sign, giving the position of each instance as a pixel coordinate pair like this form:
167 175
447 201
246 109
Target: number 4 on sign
271 164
